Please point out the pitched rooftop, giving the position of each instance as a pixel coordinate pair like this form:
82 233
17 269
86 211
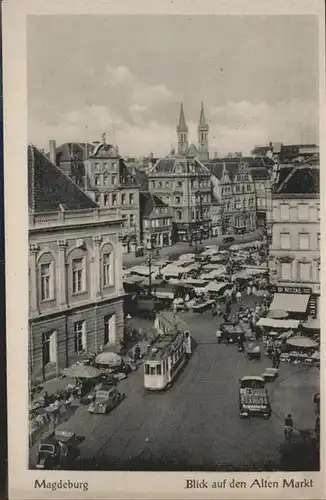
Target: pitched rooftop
301 180
49 189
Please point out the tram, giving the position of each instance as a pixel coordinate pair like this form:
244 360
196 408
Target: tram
169 353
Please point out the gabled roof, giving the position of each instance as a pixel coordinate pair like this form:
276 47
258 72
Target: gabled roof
49 187
258 173
217 169
173 163
192 150
148 202
141 179
302 179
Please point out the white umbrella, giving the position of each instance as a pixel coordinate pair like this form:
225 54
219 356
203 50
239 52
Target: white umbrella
303 342
108 358
81 371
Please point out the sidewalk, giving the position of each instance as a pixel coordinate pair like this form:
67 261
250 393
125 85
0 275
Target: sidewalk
180 248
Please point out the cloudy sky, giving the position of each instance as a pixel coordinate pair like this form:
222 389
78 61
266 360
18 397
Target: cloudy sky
126 76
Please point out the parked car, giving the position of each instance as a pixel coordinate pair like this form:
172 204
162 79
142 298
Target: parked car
228 239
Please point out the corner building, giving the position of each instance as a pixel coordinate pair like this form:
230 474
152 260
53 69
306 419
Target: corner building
75 272
295 248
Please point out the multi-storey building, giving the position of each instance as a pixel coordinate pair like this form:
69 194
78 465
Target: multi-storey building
243 187
295 247
155 221
184 184
71 158
75 271
110 183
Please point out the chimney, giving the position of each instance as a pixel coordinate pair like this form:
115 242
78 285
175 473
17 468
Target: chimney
53 155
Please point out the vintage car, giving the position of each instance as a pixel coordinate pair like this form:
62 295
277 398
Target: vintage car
58 450
105 400
270 374
253 398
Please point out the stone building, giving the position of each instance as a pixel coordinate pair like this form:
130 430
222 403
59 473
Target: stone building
155 221
295 247
75 271
110 183
184 184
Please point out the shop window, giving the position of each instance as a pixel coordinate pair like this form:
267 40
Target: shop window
80 336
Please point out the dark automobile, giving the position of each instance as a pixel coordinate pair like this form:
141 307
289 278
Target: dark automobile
228 239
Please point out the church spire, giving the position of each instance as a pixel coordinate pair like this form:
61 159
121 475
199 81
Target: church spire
182 132
182 127
202 119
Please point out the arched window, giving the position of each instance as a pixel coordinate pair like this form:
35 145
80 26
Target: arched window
46 277
107 264
78 271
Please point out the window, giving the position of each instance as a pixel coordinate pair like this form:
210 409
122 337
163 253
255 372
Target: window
146 223
131 198
106 180
49 348
160 184
179 184
132 219
107 269
123 199
153 184
114 166
78 275
237 203
97 180
303 212
80 336
166 183
114 179
106 200
146 369
284 212
248 187
285 241
97 199
158 369
285 271
46 282
251 203
304 271
177 199
114 200
304 241
318 241
179 215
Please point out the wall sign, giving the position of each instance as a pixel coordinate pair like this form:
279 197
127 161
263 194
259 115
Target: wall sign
290 289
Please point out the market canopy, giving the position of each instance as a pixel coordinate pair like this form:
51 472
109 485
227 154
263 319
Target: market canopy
108 358
303 342
290 302
187 257
81 371
215 287
288 324
311 324
278 314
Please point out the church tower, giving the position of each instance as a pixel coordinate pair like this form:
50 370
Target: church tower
182 132
202 132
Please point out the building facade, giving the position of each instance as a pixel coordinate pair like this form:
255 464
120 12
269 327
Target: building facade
156 219
75 272
110 183
184 184
295 247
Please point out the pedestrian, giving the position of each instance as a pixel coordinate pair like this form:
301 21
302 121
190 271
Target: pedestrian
289 427
239 296
218 309
214 310
219 336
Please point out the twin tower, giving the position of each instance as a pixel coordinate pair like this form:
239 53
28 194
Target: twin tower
201 152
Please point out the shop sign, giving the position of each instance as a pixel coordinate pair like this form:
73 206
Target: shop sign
294 289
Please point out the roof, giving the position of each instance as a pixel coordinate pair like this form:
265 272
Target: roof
217 169
302 179
290 302
148 202
202 119
66 151
182 127
259 173
49 187
171 164
192 150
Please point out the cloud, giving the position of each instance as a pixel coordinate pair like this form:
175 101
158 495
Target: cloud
238 126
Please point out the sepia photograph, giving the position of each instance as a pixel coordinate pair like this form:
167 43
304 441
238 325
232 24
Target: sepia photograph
174 243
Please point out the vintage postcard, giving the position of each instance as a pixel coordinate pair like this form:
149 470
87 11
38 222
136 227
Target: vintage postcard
163 244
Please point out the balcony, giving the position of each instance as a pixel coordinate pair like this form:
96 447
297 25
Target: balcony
73 217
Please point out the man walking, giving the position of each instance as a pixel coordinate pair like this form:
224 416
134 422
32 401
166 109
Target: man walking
219 336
